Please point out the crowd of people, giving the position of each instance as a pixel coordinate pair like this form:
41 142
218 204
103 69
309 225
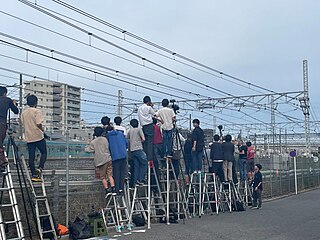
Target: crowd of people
152 140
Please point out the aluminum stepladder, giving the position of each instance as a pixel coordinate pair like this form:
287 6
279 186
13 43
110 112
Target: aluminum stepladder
226 196
7 186
194 197
116 211
237 199
158 209
246 191
41 203
173 194
210 194
141 200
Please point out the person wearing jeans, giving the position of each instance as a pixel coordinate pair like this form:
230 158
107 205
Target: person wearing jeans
167 117
146 114
32 120
138 157
5 104
243 150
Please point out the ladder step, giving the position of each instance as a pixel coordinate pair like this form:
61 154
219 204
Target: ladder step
9 222
138 211
44 215
5 189
49 231
8 205
41 198
141 198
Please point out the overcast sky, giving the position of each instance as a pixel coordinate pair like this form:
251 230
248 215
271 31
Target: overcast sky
262 42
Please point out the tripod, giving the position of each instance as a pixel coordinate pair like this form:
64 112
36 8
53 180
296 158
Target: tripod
22 181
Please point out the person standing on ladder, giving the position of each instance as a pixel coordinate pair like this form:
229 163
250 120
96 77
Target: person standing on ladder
168 117
32 120
146 114
197 146
5 104
216 156
228 158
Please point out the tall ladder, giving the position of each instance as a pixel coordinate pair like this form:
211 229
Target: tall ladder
116 212
246 191
158 209
226 196
195 194
41 204
173 194
7 186
141 200
210 194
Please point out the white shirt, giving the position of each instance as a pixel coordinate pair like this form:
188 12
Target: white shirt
120 128
145 114
166 114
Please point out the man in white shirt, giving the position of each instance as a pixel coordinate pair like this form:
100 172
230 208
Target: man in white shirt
145 115
167 117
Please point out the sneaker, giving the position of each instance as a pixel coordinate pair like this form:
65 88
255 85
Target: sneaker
3 170
140 183
259 208
169 156
39 172
254 208
36 179
113 191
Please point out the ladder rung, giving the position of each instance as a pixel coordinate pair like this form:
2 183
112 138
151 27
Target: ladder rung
41 198
15 238
9 222
141 198
5 189
122 208
45 215
49 231
8 205
135 211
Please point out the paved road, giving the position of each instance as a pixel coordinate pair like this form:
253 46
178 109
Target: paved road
293 218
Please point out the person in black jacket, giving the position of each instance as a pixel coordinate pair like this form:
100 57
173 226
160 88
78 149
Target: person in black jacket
197 146
216 156
228 157
5 104
188 158
257 187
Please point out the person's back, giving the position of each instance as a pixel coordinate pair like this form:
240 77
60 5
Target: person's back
117 145
31 118
5 104
251 152
167 115
228 151
243 152
101 151
198 136
216 151
188 148
138 156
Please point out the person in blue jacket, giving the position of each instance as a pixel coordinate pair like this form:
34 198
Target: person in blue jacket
118 150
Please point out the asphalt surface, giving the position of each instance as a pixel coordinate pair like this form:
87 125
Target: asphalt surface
296 217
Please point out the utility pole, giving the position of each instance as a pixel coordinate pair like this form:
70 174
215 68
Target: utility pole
190 122
305 106
120 103
214 125
20 107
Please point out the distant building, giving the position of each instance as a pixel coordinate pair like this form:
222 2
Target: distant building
60 103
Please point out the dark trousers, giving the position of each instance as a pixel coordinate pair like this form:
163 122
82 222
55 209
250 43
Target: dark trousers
217 169
42 146
257 198
197 161
140 165
234 172
242 168
119 168
148 132
176 168
3 132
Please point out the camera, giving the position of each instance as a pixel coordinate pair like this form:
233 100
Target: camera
220 127
174 106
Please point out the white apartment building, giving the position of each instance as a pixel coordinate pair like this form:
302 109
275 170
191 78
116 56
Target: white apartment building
60 104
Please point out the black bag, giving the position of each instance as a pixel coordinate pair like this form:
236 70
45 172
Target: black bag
138 221
79 229
240 206
46 226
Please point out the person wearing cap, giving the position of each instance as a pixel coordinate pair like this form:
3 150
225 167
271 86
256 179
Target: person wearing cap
5 104
216 156
257 187
102 159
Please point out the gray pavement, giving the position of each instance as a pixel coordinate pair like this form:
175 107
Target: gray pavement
294 218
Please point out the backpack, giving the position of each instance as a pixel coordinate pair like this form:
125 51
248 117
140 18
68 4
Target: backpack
62 230
79 229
